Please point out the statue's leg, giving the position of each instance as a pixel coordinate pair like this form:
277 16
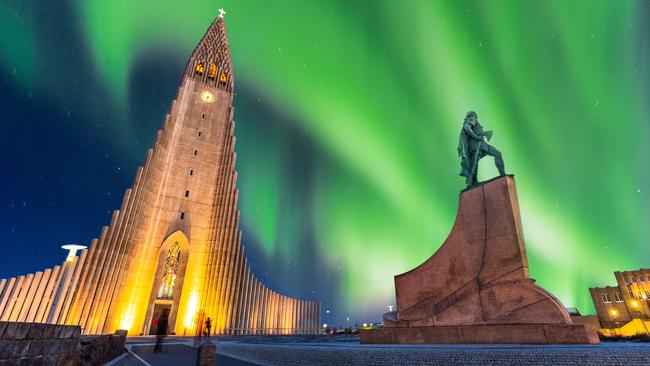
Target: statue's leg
476 156
498 159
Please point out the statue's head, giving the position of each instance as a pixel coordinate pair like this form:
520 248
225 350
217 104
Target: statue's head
471 118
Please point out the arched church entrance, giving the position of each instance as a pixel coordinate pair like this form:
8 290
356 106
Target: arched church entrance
168 282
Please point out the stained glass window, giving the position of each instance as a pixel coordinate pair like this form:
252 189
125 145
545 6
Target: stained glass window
170 267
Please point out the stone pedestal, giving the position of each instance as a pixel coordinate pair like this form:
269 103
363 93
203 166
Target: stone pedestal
476 288
207 354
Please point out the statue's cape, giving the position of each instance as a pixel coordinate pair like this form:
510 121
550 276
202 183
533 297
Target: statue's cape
463 152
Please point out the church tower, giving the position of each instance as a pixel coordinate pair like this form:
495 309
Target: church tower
174 247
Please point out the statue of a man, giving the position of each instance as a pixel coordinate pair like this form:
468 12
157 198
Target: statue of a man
472 146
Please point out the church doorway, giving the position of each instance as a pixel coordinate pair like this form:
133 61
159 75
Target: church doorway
168 282
157 313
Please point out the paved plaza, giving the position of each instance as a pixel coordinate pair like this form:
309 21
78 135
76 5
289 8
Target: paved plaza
346 350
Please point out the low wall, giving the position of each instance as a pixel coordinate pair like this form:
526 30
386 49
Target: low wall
38 343
51 344
99 349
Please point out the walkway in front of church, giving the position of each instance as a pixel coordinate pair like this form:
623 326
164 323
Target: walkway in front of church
346 350
176 351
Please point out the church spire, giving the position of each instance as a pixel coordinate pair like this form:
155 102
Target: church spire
210 61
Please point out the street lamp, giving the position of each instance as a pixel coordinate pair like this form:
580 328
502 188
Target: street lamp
614 313
72 250
635 305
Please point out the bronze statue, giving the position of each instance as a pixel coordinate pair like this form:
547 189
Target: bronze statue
472 146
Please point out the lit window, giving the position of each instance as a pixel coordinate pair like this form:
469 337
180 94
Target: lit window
212 73
187 193
606 298
200 69
631 294
182 215
640 295
617 297
191 171
223 79
196 152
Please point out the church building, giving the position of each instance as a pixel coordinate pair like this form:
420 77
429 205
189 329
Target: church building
174 246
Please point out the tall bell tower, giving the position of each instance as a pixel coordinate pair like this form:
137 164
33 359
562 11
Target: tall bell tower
174 248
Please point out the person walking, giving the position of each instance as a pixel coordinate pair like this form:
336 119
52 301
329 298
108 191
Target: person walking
161 330
208 326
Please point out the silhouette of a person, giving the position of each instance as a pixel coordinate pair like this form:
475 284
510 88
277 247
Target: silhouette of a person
161 330
208 326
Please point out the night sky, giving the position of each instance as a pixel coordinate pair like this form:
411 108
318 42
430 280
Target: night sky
347 119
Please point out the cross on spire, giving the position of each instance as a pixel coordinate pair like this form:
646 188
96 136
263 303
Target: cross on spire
221 13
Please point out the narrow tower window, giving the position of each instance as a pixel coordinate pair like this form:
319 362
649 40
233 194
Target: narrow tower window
199 134
187 193
196 152
200 69
202 115
223 79
212 73
182 215
191 171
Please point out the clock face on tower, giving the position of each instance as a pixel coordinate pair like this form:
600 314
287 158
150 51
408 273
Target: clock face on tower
207 97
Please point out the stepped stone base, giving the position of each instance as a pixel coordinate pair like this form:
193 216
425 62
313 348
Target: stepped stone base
513 334
476 287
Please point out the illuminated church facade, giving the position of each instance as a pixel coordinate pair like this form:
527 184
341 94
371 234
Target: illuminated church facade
175 245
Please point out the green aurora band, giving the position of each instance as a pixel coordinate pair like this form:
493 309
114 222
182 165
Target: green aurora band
378 90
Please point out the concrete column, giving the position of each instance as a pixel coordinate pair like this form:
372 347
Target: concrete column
48 296
39 295
3 284
61 290
87 278
74 285
107 265
115 261
20 297
74 314
29 297
6 296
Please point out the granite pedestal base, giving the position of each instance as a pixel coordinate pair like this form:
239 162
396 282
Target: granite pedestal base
476 287
472 334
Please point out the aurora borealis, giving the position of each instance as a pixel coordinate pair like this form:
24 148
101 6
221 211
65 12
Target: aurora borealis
347 117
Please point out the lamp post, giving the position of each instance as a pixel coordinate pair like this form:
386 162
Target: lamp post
635 305
614 313
72 250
